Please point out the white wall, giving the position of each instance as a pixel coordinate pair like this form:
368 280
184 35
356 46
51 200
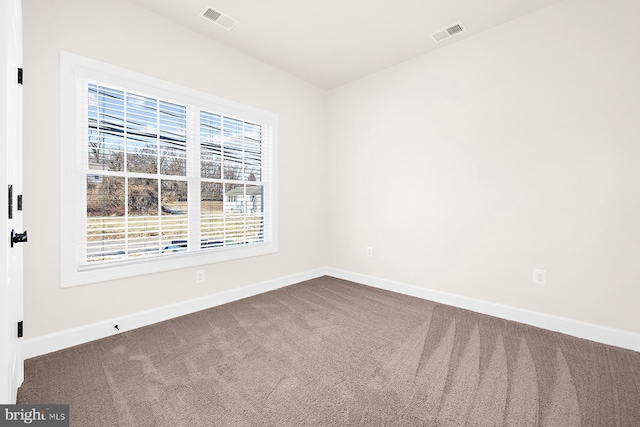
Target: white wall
515 149
120 33
464 169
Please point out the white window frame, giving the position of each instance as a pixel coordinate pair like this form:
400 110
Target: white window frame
75 68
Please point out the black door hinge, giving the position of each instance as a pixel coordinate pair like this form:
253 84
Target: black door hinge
19 207
20 332
19 76
10 201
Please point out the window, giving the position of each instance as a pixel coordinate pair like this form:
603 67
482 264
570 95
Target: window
156 176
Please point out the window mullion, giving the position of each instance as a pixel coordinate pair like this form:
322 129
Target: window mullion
243 178
159 179
159 214
222 180
193 177
125 96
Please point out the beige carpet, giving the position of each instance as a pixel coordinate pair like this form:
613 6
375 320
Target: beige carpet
333 353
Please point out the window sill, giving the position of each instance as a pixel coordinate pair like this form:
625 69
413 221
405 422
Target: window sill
87 274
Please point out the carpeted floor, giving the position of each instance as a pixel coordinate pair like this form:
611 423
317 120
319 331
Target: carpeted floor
327 352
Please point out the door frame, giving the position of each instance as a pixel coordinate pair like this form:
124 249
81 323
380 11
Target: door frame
11 359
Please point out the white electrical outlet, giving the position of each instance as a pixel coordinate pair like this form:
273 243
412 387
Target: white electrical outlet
539 277
200 276
369 251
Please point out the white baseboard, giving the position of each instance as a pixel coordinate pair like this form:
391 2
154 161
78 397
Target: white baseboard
57 341
589 331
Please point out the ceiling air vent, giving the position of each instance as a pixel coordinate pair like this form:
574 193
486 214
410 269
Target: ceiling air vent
450 31
225 21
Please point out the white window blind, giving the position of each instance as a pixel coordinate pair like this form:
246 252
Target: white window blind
163 177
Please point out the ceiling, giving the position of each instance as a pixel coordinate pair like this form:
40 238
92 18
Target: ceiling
331 42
